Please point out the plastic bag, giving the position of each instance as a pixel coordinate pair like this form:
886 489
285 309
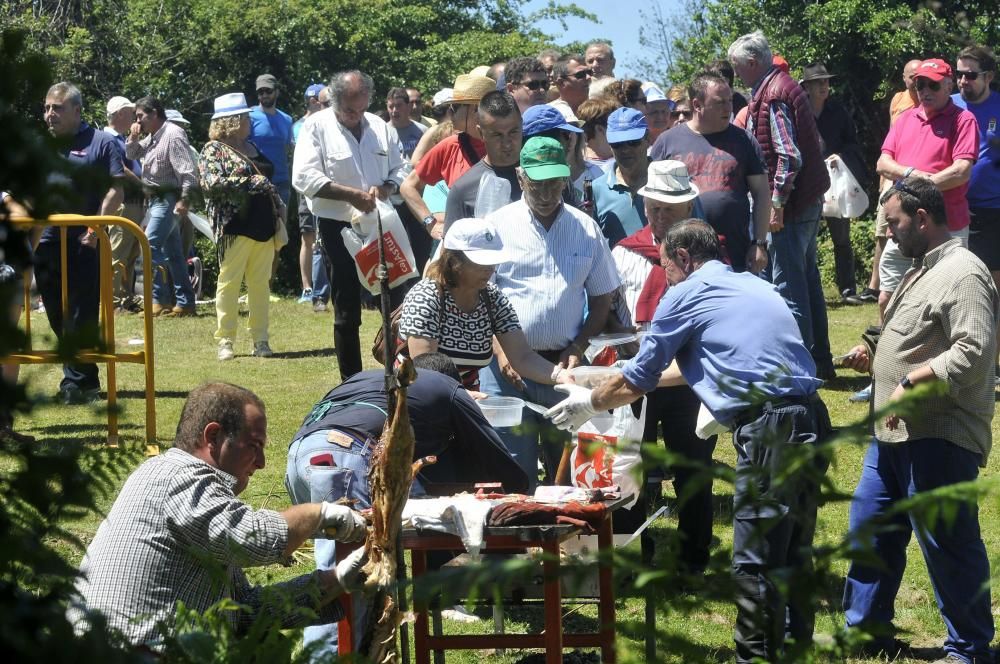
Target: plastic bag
361 241
606 452
845 198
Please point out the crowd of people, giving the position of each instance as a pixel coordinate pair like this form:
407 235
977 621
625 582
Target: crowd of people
547 202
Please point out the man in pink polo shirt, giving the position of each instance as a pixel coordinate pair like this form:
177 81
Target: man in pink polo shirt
935 140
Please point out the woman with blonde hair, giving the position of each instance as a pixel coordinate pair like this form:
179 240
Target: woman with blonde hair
245 209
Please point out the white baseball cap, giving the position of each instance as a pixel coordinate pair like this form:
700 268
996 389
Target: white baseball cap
116 104
478 240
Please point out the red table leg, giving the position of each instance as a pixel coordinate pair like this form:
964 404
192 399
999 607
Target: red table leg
606 606
553 604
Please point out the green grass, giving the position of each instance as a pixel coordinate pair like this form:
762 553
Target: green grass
304 369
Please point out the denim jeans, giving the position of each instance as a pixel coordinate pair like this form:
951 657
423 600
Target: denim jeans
321 284
955 554
793 270
843 253
164 237
522 441
774 521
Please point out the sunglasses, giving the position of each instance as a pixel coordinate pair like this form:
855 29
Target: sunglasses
265 91
582 74
899 186
677 114
970 75
628 144
924 83
535 85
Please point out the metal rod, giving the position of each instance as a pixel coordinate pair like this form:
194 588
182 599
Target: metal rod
390 343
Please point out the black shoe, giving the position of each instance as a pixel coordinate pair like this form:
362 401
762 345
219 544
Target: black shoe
868 295
885 650
826 371
72 395
848 296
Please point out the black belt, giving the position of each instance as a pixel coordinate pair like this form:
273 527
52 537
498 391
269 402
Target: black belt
755 412
550 355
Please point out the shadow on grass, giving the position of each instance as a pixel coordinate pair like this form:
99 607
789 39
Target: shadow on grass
141 394
300 354
847 383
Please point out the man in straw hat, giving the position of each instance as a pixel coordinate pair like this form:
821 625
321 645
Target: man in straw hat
452 157
563 268
345 159
732 338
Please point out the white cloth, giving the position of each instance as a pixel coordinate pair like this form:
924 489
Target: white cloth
556 271
328 152
634 270
463 515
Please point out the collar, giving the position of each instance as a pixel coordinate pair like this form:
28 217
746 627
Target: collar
226 478
770 72
935 255
949 109
82 128
708 270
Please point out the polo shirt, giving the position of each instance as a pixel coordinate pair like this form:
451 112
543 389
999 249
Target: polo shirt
272 134
619 213
901 101
932 145
984 185
94 154
731 334
555 272
446 161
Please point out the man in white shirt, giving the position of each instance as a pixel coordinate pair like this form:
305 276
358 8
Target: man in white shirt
564 268
345 159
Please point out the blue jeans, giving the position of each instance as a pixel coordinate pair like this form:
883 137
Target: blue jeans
522 441
321 285
284 191
164 236
308 483
955 554
793 270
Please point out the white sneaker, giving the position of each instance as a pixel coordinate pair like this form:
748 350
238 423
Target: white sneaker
226 350
261 349
459 613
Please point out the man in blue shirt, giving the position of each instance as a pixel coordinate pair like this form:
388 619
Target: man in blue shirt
738 346
620 210
271 132
98 159
975 71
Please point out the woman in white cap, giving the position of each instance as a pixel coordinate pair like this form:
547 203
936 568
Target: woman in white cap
457 311
245 208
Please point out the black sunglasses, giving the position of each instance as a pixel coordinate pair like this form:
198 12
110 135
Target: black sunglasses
582 74
899 186
971 75
924 83
677 114
535 85
265 91
628 144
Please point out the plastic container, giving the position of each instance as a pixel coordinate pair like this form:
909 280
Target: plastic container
593 376
501 411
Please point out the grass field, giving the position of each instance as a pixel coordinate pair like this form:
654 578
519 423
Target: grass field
304 368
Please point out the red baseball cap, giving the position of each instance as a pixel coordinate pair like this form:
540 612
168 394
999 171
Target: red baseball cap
780 63
935 69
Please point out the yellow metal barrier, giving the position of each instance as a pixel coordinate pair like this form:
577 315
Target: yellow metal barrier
109 355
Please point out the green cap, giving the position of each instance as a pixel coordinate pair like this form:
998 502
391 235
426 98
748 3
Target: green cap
543 158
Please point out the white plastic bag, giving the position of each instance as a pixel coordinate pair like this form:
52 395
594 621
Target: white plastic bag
360 239
845 198
606 452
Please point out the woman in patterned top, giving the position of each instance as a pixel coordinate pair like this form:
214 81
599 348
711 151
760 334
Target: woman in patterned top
457 311
245 208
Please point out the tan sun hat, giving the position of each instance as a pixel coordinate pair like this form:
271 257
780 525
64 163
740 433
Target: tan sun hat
469 88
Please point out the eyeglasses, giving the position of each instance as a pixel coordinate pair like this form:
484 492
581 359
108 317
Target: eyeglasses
582 74
924 83
970 75
677 114
535 85
265 91
899 186
628 144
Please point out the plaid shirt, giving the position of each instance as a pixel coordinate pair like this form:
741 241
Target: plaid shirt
177 533
943 315
166 159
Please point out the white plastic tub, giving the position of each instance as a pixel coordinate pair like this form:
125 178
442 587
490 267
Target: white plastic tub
593 376
501 411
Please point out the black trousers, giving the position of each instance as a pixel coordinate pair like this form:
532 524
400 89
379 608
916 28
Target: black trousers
675 411
345 293
843 253
84 294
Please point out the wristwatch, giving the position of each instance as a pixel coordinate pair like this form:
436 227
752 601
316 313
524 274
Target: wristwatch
760 243
906 383
428 220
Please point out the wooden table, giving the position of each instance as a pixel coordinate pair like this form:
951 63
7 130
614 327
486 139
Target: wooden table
511 539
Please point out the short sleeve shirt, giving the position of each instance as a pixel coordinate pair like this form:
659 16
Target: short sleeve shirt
465 337
272 134
464 192
933 145
446 161
409 136
984 185
719 163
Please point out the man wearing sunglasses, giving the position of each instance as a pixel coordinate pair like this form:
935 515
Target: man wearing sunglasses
938 141
976 70
571 78
271 132
528 81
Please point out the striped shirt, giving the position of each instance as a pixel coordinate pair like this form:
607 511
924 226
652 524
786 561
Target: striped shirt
943 315
166 159
554 273
177 533
634 270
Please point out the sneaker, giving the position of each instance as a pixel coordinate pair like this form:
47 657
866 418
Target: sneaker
861 396
74 395
226 350
848 296
319 306
262 349
458 613
306 296
868 295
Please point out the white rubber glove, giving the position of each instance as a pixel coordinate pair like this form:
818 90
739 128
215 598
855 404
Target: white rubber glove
341 523
348 570
573 412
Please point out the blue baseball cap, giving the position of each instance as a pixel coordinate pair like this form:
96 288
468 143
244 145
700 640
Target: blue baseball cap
542 118
314 90
626 124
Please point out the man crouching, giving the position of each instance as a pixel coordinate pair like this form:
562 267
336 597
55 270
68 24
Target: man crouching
178 533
